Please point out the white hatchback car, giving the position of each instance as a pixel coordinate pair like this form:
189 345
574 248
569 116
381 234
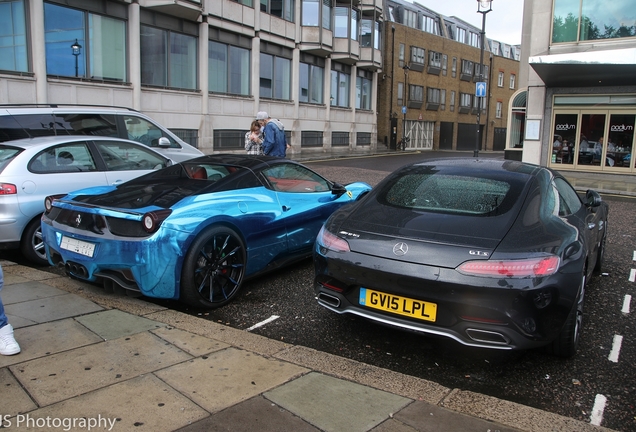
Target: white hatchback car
32 169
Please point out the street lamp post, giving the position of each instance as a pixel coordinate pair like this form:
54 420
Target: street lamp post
77 49
483 7
391 142
406 95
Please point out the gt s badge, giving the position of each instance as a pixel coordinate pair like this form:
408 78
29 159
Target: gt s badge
478 253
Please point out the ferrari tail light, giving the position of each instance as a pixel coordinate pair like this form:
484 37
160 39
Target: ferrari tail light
8 189
532 267
48 202
152 220
331 241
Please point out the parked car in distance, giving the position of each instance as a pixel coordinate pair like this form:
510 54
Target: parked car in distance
32 169
489 253
194 231
34 120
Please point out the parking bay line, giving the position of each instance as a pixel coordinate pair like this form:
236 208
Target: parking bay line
626 301
616 348
262 323
632 275
597 411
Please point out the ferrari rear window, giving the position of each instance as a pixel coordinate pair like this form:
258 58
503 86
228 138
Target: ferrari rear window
448 193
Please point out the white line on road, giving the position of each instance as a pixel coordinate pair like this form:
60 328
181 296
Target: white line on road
634 257
626 301
632 275
616 348
262 323
597 411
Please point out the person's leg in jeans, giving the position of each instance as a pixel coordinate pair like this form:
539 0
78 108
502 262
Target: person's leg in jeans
8 345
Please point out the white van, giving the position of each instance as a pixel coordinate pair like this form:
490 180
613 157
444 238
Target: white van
29 121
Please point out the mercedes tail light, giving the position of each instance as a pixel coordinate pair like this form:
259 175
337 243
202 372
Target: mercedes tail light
524 268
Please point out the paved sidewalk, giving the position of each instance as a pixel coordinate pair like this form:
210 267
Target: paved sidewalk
94 361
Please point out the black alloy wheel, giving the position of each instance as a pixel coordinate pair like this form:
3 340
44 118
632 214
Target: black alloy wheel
213 268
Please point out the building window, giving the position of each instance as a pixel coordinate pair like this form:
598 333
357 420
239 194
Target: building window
583 20
370 34
312 78
512 80
317 12
13 42
190 136
228 68
417 55
442 100
102 39
228 139
500 79
474 39
444 64
246 2
340 84
410 18
416 96
401 55
363 89
340 139
363 138
275 77
468 68
454 68
282 9
452 101
495 48
465 102
311 138
499 109
346 23
478 75
168 59
400 94
435 60
461 35
430 25
433 96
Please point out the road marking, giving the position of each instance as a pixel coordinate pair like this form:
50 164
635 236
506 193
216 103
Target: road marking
597 411
616 348
626 302
634 257
262 323
632 275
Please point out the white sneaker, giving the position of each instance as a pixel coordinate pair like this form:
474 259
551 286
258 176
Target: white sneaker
8 345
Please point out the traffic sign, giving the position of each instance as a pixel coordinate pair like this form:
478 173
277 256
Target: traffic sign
404 109
480 89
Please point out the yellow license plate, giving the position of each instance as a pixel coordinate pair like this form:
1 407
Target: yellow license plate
398 305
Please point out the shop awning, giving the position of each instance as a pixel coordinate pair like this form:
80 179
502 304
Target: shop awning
587 69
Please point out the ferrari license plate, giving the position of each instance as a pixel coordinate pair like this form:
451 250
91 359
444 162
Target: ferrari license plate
78 246
398 305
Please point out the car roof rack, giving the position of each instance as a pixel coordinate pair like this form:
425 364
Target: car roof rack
54 105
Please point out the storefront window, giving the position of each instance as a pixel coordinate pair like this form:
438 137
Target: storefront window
601 140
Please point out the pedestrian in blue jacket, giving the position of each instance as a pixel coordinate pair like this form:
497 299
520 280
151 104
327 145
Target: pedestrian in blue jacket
274 140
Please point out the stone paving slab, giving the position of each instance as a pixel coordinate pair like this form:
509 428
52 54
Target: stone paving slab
52 308
32 290
14 399
332 404
113 324
71 373
144 403
255 414
227 377
189 342
424 417
45 339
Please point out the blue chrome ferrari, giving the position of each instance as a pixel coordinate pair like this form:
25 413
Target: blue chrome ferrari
193 231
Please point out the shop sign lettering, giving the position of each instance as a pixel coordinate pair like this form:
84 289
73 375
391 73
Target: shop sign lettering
621 128
565 127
